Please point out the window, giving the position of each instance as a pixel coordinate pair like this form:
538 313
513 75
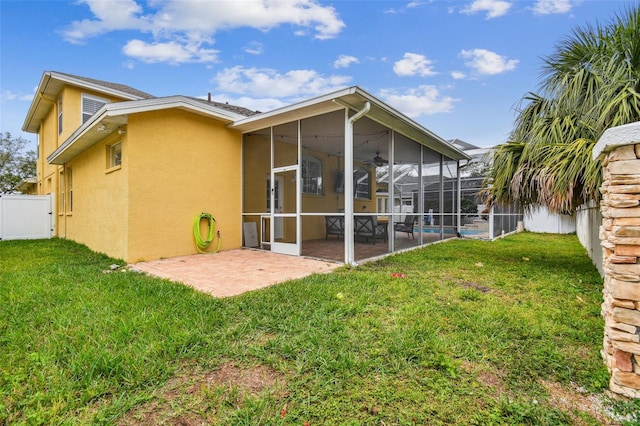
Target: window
61 193
361 183
91 105
69 190
59 114
311 175
276 191
115 155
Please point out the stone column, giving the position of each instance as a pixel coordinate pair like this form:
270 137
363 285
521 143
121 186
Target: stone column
619 151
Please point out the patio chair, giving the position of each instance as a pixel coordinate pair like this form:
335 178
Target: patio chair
368 227
406 226
334 225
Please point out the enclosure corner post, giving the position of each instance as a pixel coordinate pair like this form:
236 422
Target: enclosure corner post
619 152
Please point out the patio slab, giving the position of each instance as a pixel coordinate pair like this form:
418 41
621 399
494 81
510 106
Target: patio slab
234 272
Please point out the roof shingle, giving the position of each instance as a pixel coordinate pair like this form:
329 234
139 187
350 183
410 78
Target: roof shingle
114 86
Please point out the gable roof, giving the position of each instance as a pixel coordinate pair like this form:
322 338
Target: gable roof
52 83
232 108
112 116
117 87
353 98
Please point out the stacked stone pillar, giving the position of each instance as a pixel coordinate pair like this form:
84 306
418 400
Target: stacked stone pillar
619 152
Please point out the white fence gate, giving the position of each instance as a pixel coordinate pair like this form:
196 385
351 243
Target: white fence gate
26 217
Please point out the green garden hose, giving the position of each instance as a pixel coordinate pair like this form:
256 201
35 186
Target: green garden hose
201 244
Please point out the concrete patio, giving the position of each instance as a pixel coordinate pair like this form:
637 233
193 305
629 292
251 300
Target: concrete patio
234 272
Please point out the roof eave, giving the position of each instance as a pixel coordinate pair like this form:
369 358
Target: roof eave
114 116
43 93
353 98
318 105
399 122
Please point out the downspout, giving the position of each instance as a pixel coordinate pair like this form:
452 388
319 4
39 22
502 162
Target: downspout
349 252
458 198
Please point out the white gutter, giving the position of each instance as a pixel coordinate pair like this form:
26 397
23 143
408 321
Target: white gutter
349 252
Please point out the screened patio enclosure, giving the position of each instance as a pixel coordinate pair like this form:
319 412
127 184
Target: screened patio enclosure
345 177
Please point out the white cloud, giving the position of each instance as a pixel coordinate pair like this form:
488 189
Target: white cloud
193 23
458 75
171 52
8 95
110 16
549 7
422 100
254 48
345 61
488 62
414 64
266 82
410 5
494 8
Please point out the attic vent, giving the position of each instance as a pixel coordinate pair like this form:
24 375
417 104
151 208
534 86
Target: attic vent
91 105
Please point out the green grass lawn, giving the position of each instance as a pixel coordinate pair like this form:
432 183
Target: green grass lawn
504 332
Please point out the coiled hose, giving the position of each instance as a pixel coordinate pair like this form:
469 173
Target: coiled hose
201 244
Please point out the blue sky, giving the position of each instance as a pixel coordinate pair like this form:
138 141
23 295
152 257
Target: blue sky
458 68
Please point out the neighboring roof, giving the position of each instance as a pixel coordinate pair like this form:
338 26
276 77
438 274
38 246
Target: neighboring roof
353 98
26 183
464 146
112 116
52 83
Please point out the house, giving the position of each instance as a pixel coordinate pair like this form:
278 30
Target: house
27 186
131 171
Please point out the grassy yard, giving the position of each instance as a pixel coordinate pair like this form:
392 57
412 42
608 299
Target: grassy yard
464 332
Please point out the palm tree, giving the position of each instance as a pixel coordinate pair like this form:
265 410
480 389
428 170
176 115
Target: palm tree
590 82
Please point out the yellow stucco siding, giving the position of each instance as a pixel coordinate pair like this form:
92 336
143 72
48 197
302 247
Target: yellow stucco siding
49 178
100 199
72 108
181 164
48 174
256 172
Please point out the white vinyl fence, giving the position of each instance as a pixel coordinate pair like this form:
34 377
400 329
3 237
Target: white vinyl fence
25 217
588 221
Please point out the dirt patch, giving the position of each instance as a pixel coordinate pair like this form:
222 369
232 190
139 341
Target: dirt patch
195 397
571 400
493 379
476 286
250 381
575 400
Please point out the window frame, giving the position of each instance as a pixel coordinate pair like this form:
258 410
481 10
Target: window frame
69 189
114 155
317 180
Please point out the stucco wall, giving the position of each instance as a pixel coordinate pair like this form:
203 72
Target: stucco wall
180 165
50 178
100 198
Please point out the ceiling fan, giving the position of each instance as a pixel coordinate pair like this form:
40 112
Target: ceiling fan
379 161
